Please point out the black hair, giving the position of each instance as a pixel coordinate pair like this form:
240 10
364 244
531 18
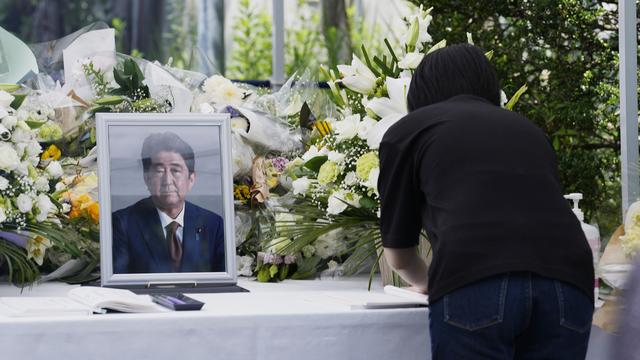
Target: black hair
450 71
170 142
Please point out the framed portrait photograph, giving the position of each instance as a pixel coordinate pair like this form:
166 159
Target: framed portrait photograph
165 188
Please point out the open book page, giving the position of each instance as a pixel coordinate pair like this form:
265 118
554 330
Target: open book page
41 306
366 300
115 299
406 294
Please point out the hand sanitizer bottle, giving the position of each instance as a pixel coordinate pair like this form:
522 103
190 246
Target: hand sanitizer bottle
591 233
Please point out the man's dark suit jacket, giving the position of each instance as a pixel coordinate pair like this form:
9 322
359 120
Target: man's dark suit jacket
139 244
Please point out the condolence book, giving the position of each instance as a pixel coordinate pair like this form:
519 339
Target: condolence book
83 300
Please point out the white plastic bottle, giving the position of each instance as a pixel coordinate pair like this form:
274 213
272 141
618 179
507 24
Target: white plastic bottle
591 233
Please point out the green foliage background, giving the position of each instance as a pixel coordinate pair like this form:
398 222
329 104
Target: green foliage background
566 52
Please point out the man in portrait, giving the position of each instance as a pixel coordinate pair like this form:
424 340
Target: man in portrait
164 233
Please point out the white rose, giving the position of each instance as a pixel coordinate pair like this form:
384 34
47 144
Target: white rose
301 185
4 183
3 215
33 148
9 158
5 99
338 201
24 202
45 206
54 170
42 184
21 135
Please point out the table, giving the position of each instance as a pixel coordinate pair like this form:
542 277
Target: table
274 321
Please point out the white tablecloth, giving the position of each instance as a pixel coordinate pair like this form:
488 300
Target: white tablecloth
274 321
281 321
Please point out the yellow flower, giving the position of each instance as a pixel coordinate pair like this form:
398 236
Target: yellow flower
241 193
52 153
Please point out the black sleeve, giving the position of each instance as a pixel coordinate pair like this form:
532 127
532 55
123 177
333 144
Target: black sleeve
399 198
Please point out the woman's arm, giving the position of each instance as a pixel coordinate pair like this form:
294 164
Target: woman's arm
408 264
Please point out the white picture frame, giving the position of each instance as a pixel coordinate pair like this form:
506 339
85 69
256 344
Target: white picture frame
120 138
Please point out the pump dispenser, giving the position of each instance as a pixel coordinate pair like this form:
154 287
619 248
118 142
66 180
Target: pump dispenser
590 232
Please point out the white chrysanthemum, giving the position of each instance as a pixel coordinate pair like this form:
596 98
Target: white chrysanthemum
9 158
24 203
301 185
54 170
22 168
228 94
213 83
6 99
239 124
42 184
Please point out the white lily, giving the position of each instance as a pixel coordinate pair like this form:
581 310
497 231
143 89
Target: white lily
357 76
411 60
347 128
389 109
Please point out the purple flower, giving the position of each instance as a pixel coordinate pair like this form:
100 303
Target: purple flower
233 112
280 163
277 259
289 259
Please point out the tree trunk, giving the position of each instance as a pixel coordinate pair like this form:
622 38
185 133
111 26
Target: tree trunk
335 28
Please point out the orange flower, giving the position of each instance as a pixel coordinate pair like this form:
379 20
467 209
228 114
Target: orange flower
94 212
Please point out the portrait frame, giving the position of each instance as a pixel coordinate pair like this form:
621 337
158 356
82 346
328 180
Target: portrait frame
108 125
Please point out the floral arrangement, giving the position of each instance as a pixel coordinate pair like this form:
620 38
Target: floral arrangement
630 241
335 179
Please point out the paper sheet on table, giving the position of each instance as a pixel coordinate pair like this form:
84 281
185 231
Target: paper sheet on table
22 306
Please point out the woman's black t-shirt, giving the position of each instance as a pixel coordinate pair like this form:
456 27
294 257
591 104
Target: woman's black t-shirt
483 183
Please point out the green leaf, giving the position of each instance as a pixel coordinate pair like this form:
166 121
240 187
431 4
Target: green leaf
273 270
437 46
34 124
315 163
18 100
367 203
9 87
109 100
263 274
284 271
514 99
99 108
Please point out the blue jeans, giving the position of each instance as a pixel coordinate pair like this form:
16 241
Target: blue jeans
511 316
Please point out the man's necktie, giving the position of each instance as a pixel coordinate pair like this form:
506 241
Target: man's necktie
175 246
